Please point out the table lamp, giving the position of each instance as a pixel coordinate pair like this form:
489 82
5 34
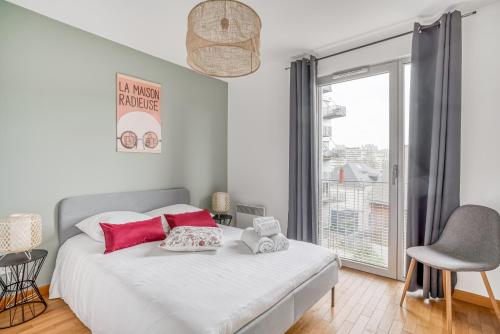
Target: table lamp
20 232
220 202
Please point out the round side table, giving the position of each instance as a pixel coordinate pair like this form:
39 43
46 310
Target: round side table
223 219
20 299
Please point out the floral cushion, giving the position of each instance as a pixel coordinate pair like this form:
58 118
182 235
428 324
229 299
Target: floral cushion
193 239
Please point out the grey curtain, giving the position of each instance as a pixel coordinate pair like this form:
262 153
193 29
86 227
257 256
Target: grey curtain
303 165
434 139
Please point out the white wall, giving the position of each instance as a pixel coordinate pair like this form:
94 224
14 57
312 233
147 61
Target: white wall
258 124
258 139
480 167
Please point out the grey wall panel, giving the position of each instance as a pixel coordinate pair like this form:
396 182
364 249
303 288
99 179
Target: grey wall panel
58 121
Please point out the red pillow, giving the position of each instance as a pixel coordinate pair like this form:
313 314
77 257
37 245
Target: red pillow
118 236
197 218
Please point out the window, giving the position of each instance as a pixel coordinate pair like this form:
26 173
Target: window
360 216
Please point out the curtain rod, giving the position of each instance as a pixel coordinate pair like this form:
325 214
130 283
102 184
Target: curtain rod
381 40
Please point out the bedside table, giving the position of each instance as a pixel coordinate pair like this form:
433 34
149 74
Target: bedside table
20 299
223 219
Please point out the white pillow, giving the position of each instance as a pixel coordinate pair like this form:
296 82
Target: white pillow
171 210
91 226
193 239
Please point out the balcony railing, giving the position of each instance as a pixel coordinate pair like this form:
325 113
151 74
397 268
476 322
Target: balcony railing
354 220
333 110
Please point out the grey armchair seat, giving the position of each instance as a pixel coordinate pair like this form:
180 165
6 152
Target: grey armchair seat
443 258
469 242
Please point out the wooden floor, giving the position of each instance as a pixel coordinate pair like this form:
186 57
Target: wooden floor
364 303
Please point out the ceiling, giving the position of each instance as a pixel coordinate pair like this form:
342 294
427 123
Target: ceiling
289 27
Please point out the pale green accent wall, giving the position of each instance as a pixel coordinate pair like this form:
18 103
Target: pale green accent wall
57 121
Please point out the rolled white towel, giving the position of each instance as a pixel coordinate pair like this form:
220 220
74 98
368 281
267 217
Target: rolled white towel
281 243
256 243
266 227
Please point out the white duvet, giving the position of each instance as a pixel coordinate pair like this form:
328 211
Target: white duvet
145 289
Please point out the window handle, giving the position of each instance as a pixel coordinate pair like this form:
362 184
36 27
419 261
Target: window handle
395 173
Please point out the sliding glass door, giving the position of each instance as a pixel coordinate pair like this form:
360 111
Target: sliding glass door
361 151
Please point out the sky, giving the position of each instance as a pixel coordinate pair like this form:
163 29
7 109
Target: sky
367 110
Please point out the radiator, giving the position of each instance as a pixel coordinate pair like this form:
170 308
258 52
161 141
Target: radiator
246 213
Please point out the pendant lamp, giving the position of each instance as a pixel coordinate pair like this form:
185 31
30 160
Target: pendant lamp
223 38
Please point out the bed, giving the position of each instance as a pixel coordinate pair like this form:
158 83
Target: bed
145 289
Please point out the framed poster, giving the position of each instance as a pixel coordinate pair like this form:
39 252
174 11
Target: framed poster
138 117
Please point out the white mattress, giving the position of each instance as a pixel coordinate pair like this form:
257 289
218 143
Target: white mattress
145 289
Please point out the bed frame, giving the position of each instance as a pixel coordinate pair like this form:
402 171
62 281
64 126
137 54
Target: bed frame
276 320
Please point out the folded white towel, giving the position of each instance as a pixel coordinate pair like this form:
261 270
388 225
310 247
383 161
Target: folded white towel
266 226
281 243
255 243
262 219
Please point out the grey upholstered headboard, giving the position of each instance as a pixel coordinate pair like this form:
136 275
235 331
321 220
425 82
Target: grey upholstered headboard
72 210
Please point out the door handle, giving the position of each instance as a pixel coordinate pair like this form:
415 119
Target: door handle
395 173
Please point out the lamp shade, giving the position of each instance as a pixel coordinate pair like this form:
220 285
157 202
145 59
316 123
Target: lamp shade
221 202
223 38
20 232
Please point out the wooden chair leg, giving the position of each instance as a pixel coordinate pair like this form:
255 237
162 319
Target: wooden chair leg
408 280
333 296
490 293
447 294
444 282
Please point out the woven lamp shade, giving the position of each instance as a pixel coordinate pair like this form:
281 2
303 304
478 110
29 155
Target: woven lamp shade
20 232
221 202
223 38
